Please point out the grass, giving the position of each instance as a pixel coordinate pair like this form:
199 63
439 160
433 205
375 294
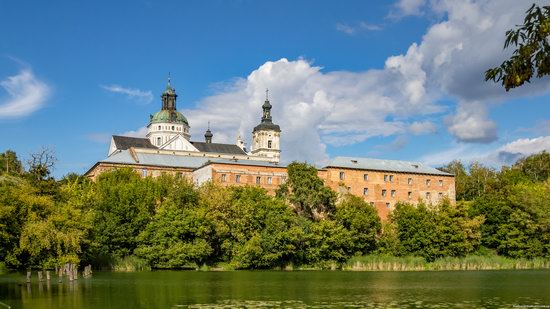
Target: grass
470 262
129 263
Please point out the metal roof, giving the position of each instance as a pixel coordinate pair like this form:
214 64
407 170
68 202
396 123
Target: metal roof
385 165
125 142
218 148
170 160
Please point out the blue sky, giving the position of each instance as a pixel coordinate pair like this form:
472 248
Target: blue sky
386 79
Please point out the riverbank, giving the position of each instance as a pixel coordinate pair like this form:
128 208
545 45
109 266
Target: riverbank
471 262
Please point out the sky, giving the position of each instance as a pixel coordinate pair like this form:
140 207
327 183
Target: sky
400 79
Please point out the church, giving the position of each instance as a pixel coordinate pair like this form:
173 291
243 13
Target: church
168 148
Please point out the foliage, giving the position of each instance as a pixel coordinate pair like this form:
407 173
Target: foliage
307 192
532 53
10 164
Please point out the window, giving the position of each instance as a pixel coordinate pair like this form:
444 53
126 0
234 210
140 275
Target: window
143 173
365 191
385 178
410 195
428 195
440 194
159 127
269 143
410 181
441 183
392 193
371 203
258 180
391 178
269 180
384 192
365 177
224 178
159 141
238 178
283 179
342 176
388 205
172 128
428 182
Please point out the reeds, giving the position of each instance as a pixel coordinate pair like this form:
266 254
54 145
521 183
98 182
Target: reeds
470 262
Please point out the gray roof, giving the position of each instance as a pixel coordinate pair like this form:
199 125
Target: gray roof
385 165
125 142
170 160
218 148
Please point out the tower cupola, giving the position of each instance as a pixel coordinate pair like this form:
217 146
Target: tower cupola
266 135
208 135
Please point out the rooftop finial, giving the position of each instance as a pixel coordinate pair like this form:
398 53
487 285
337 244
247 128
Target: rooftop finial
208 124
266 94
169 80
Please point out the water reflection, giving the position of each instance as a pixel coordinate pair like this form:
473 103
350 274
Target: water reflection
270 289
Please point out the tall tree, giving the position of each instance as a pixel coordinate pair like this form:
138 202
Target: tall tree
532 53
9 163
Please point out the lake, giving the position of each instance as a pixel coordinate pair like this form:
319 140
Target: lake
279 289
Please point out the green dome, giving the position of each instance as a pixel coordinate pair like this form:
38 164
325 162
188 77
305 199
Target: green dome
171 116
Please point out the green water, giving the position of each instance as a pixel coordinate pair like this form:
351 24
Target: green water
277 289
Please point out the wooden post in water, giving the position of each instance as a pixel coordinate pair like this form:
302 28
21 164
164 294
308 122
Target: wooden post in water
59 274
40 278
28 277
48 275
70 271
75 269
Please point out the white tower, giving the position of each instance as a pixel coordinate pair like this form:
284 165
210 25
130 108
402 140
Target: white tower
266 135
167 124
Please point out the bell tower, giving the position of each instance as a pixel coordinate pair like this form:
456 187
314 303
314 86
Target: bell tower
266 135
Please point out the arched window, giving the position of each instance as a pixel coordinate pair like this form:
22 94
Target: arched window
269 144
172 128
159 127
159 141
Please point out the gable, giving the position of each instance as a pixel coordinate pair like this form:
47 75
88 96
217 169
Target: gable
178 142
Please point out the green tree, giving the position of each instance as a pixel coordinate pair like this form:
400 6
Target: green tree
306 192
10 164
461 177
532 50
536 167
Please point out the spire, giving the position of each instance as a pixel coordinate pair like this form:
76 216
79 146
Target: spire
267 94
266 108
169 96
208 135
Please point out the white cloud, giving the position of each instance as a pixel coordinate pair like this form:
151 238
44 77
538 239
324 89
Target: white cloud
496 157
140 95
26 94
141 132
470 124
422 127
404 8
360 27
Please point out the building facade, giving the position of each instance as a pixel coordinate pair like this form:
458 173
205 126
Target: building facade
168 149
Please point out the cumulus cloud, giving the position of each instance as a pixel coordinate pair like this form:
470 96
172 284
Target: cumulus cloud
134 93
26 94
314 108
470 124
510 152
404 8
141 132
360 27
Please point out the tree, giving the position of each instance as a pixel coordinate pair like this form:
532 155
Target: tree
10 164
532 53
461 177
307 192
41 164
536 167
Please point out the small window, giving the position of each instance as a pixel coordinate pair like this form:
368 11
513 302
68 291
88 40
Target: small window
224 178
144 173
365 191
238 178
159 127
349 189
428 182
159 141
428 195
269 180
441 183
386 178
342 176
410 181
371 203
269 143
388 205
384 192
440 194
410 195
392 193
365 177
258 180
391 178
173 128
